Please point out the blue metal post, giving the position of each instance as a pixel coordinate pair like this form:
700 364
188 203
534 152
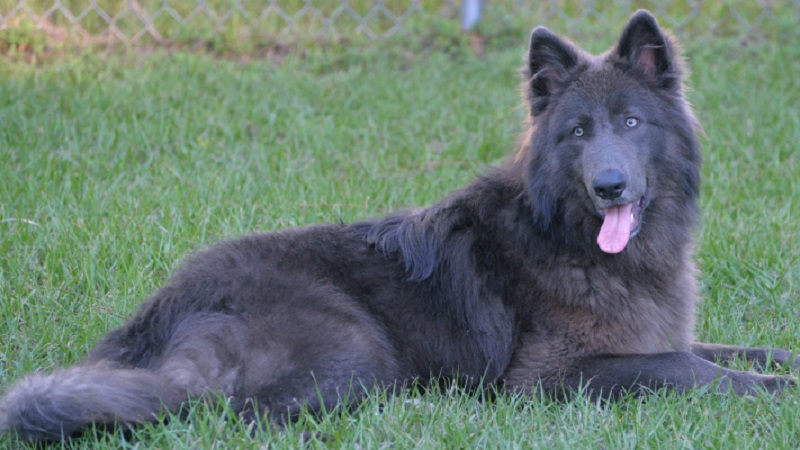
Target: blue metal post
470 13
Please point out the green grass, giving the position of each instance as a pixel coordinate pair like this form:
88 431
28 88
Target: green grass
112 168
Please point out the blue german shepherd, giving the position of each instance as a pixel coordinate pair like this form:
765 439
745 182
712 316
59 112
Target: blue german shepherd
568 268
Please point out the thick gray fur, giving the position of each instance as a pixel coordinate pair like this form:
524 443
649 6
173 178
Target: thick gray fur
501 285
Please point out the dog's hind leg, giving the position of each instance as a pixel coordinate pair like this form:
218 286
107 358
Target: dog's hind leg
205 355
313 356
341 379
303 354
762 357
612 376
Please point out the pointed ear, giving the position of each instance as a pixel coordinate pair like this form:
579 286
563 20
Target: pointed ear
645 46
550 58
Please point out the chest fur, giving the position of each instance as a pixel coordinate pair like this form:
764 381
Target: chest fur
597 310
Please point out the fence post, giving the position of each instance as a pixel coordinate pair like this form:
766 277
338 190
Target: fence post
470 13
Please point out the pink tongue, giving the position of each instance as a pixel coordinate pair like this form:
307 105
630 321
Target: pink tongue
616 229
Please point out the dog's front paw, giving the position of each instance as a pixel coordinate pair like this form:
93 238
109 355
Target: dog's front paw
779 383
748 383
785 358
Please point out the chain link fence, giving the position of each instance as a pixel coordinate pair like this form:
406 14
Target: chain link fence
164 22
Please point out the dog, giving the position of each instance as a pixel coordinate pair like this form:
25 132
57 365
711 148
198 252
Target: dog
566 269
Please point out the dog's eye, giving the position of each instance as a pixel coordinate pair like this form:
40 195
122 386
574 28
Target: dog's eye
577 131
631 122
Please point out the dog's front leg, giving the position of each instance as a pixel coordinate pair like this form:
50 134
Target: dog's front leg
762 357
612 376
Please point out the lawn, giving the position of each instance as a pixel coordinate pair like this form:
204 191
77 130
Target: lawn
113 167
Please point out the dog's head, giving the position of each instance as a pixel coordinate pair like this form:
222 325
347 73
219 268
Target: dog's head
611 136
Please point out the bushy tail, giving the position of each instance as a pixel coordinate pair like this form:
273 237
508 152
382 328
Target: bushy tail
52 407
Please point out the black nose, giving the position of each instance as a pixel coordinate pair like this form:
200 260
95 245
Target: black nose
609 184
